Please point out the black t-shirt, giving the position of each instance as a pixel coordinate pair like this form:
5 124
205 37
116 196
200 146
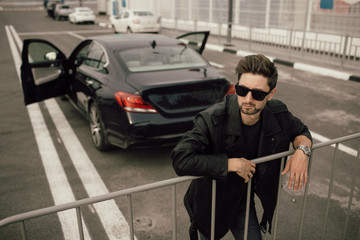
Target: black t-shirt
251 139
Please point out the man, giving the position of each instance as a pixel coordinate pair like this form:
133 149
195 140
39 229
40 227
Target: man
222 143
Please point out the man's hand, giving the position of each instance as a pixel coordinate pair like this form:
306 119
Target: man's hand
298 166
243 167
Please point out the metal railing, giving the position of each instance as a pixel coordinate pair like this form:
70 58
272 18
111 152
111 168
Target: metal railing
21 218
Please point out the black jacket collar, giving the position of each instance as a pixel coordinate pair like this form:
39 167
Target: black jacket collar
269 123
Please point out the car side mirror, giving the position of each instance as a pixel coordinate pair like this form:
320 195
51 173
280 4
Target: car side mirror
50 56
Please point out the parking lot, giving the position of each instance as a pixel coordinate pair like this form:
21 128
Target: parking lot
329 106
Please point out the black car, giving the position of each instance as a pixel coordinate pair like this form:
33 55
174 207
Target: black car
135 89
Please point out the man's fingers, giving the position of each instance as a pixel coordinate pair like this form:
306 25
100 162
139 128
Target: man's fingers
286 169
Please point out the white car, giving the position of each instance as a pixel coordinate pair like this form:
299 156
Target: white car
82 15
62 11
132 21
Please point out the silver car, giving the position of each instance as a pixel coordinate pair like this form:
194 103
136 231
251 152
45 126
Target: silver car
62 11
132 21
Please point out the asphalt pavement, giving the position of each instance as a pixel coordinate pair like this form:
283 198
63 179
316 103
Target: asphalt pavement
240 48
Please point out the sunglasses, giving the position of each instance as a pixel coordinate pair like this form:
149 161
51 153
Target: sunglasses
258 95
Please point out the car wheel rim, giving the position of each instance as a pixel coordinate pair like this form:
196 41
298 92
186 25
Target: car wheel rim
95 126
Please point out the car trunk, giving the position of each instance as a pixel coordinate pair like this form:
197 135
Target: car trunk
180 93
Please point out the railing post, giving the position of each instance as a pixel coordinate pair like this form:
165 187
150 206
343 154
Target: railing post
290 42
131 220
305 197
213 204
80 226
174 210
330 191
344 50
278 197
247 209
23 230
250 36
357 163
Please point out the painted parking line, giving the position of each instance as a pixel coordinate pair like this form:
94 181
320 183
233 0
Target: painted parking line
55 174
111 217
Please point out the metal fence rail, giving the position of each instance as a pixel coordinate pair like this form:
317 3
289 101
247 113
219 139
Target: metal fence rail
293 28
21 218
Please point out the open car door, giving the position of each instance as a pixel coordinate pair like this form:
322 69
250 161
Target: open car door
196 40
44 71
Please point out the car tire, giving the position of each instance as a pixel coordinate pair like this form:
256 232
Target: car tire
128 30
97 129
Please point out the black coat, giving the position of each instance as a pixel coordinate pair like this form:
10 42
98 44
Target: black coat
217 136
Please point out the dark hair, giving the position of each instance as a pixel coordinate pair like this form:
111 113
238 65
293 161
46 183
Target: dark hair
258 64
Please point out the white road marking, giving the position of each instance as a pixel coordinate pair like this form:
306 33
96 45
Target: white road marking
217 65
76 35
342 147
58 182
111 217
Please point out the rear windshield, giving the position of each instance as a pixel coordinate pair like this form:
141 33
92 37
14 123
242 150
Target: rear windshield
161 58
142 13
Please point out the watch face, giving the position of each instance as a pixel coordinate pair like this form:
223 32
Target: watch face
305 149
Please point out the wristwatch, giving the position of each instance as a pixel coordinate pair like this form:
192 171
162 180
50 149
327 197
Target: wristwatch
305 149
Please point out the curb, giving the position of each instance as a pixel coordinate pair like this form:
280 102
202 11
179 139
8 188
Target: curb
299 66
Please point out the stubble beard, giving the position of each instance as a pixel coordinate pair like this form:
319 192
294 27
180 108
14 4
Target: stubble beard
252 111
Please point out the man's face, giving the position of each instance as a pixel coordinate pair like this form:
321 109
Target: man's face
248 105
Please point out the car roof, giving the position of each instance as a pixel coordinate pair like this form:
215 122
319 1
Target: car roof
126 41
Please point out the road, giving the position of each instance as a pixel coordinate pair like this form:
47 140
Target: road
47 157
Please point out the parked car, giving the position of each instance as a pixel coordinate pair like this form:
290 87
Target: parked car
135 89
82 15
62 11
50 7
132 21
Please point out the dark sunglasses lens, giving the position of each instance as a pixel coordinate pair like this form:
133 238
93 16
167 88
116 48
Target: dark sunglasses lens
241 91
258 95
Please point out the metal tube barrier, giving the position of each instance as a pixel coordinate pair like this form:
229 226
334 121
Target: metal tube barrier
278 197
246 229
21 218
330 191
79 220
213 203
357 164
23 230
131 220
305 199
174 210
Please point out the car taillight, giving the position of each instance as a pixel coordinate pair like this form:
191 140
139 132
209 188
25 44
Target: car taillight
231 90
133 103
158 20
136 21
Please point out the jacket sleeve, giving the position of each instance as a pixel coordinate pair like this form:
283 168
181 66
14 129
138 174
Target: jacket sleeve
299 128
194 154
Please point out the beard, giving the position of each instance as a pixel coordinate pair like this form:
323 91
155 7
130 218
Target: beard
251 111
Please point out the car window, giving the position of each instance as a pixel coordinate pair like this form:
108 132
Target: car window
161 58
83 53
142 13
38 52
96 57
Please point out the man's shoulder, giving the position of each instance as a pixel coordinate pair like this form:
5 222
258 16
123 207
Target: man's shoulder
277 106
